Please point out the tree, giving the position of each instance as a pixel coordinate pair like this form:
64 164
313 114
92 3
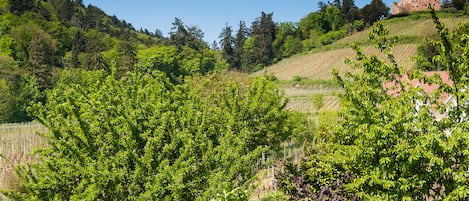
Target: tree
94 45
227 45
78 46
425 54
6 102
458 4
127 57
182 35
387 146
240 38
35 51
176 64
263 33
374 11
65 9
286 42
18 7
26 92
318 102
40 59
350 11
142 138
429 52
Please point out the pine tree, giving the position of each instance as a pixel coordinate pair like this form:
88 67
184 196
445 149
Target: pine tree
263 32
78 46
227 45
240 38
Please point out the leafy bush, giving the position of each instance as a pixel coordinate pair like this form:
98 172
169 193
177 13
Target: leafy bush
143 138
387 147
332 36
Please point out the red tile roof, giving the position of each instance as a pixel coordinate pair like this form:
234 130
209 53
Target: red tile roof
427 88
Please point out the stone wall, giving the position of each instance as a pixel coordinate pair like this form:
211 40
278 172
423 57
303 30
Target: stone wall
414 5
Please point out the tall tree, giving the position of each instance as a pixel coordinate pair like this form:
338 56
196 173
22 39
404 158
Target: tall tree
350 11
263 32
40 60
240 38
6 102
374 11
127 54
182 35
94 45
78 46
227 45
20 6
286 42
65 9
459 4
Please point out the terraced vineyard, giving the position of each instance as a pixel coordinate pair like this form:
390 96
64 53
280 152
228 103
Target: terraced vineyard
304 104
319 65
416 29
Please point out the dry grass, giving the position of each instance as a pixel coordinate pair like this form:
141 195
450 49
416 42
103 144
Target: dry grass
319 65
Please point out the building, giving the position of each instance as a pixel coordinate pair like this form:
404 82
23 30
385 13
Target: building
414 5
446 99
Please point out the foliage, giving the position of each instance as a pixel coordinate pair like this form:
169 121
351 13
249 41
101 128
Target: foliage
425 54
332 36
238 46
318 101
143 138
190 36
388 146
6 101
227 43
428 54
264 32
275 196
175 63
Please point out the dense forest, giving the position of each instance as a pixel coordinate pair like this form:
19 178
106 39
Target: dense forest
132 115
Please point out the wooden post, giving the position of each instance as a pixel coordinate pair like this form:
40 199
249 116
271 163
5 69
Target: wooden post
263 158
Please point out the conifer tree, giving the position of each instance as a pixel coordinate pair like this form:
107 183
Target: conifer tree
263 33
240 38
227 45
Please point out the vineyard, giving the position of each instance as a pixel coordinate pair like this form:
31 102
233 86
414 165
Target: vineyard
304 105
319 65
17 142
417 29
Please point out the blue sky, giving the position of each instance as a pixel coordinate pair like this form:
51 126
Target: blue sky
209 15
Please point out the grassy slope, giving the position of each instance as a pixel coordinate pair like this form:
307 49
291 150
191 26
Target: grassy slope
318 65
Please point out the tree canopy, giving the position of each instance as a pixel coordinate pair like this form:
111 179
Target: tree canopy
145 138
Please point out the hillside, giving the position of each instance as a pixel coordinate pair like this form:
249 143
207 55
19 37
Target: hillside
319 64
